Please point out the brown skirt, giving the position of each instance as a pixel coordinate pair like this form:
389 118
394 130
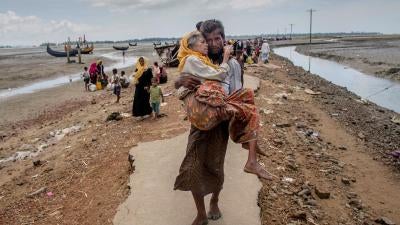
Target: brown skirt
202 169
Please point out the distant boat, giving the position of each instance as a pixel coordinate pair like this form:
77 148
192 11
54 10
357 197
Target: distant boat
54 53
156 44
168 54
133 44
121 48
87 50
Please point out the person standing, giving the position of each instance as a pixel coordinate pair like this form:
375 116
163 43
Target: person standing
156 97
202 169
265 52
142 80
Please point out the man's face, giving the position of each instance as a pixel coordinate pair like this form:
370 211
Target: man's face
215 42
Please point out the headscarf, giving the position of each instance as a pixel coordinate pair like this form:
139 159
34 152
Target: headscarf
185 52
93 68
140 70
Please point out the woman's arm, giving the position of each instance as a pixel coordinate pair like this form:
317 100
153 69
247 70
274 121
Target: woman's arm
197 68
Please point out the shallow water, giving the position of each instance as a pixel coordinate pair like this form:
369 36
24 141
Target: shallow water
40 85
381 91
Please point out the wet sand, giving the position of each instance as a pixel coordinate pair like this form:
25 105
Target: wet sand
379 56
28 66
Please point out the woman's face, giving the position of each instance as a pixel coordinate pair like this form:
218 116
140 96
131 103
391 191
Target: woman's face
201 46
141 61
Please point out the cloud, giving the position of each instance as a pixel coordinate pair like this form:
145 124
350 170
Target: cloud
21 30
162 4
120 5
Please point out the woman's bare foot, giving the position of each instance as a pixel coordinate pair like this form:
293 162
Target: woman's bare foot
258 149
200 221
214 213
257 169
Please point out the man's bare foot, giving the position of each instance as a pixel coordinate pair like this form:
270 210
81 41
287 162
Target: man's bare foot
200 221
257 169
258 149
214 213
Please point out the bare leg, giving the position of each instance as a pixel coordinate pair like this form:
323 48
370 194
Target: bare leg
252 166
258 149
201 218
214 213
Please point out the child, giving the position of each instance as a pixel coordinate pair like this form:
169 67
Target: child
124 80
208 105
117 84
155 96
86 78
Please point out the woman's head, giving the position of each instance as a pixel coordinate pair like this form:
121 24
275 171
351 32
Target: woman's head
156 64
141 61
197 43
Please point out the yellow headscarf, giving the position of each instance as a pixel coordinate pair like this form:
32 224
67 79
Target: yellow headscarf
185 52
140 70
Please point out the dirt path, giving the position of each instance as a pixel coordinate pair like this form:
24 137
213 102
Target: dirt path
153 200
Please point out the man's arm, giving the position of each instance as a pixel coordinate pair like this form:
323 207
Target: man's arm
187 81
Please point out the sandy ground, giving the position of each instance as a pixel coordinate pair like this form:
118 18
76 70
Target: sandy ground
19 69
329 150
375 56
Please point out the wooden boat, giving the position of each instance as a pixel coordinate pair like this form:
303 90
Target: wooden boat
168 54
121 48
54 53
87 50
133 44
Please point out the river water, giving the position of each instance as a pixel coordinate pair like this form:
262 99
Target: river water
381 91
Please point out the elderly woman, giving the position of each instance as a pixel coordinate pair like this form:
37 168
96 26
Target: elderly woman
142 80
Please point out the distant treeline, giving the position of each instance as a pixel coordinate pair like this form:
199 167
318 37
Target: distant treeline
174 39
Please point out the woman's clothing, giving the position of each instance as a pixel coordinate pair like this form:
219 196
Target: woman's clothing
141 100
209 105
93 73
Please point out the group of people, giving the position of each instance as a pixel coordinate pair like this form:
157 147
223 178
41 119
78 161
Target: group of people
96 78
148 95
251 51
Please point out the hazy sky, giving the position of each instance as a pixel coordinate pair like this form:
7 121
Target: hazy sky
24 22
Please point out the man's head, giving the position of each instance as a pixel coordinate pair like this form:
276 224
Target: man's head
198 25
214 33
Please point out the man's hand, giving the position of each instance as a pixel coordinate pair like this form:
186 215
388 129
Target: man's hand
187 81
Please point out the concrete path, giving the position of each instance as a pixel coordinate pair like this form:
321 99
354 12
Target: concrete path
154 202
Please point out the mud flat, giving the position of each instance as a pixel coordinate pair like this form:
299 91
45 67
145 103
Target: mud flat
378 56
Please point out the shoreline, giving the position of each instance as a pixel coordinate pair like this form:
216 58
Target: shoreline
379 58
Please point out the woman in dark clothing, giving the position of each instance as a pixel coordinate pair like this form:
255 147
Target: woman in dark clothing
142 80
103 78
